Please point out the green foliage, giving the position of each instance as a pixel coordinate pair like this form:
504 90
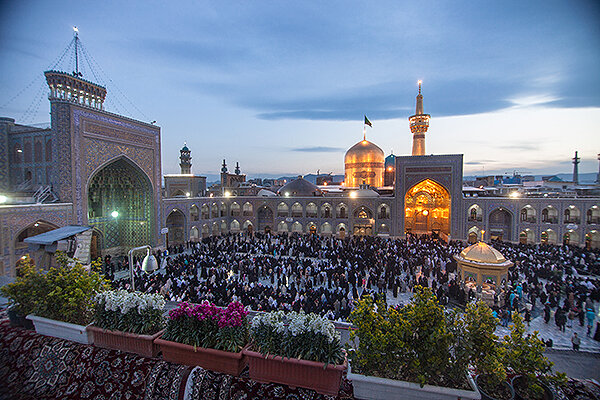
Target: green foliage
28 289
417 343
484 352
64 293
525 356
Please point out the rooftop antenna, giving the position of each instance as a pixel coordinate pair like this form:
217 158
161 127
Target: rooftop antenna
76 33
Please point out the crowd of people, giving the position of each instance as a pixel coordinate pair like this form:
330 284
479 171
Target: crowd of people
325 274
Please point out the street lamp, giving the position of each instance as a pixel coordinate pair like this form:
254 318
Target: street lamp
149 264
114 214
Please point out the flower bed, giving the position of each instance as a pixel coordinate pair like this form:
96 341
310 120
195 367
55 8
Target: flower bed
296 349
207 336
128 321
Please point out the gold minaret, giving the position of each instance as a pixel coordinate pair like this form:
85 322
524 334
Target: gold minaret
419 123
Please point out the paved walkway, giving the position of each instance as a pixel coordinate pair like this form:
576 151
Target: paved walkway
578 365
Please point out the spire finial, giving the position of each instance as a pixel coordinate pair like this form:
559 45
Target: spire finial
419 82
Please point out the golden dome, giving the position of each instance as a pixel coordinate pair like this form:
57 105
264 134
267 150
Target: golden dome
482 253
364 162
365 151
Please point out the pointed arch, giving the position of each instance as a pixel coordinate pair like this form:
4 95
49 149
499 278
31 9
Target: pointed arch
121 203
427 208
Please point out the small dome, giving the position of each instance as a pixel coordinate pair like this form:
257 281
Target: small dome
390 161
482 253
365 193
364 151
299 187
185 148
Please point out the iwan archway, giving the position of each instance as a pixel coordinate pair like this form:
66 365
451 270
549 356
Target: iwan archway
427 208
121 205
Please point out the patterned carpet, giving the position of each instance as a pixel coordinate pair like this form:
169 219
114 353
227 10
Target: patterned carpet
36 367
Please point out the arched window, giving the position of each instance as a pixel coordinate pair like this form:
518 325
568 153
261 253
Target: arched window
214 210
223 210
311 210
204 212
296 210
235 209
363 213
194 214
297 227
326 211
384 212
523 215
247 209
48 150
341 211
282 227
282 210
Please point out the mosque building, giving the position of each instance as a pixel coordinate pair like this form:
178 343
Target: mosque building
94 179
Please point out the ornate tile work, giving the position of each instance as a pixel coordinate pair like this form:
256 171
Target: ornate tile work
16 218
99 137
97 152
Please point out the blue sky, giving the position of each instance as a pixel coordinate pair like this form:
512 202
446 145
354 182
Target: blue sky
282 87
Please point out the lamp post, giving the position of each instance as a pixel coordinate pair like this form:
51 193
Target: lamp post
149 264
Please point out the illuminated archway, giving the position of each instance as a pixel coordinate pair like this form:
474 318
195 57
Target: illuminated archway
121 205
427 208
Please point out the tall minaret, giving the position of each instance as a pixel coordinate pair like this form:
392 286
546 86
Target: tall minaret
576 169
186 160
598 176
419 123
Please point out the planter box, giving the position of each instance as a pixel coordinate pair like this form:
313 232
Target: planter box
59 329
214 360
373 388
18 319
133 343
294 372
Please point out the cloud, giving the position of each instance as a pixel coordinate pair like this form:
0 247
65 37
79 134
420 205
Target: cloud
318 149
480 162
520 146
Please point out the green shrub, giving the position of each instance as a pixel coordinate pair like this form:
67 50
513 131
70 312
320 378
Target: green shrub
70 291
525 356
28 290
417 343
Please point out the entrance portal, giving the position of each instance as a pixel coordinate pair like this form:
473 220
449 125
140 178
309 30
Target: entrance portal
265 218
500 223
427 208
120 205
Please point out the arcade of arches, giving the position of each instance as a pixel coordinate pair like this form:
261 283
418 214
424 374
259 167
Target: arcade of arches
427 208
120 205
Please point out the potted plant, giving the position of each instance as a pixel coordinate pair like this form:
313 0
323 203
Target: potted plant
24 294
66 304
417 351
526 360
296 349
208 336
485 353
128 321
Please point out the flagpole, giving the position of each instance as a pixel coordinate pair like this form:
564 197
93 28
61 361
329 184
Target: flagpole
365 132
